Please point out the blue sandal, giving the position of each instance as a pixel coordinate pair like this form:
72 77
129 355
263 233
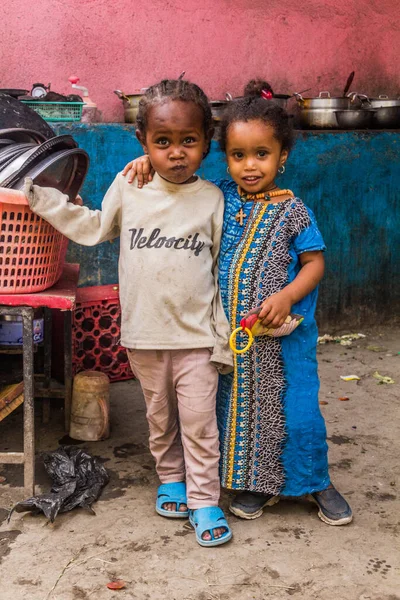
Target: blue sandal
208 519
174 493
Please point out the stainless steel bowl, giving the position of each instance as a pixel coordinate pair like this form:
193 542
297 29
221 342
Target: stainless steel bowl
354 118
387 117
315 118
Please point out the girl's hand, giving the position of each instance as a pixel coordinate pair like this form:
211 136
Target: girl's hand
141 168
78 201
275 309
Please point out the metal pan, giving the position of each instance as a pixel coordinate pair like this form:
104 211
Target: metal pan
65 171
23 163
18 158
354 119
9 153
19 134
387 117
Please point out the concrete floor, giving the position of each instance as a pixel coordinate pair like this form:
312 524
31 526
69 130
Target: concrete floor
287 552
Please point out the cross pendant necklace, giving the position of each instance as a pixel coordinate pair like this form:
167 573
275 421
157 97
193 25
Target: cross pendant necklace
261 196
239 217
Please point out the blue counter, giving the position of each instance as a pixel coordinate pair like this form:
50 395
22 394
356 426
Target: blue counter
350 179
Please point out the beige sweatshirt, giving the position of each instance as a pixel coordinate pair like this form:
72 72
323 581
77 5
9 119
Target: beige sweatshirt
168 263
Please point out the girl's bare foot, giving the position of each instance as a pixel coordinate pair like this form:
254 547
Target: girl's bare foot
171 506
218 532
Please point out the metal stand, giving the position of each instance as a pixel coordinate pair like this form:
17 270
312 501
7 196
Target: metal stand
62 297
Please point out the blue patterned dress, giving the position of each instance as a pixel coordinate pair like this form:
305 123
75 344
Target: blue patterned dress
273 436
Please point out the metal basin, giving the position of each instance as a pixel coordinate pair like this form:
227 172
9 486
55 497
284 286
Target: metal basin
316 118
354 119
387 117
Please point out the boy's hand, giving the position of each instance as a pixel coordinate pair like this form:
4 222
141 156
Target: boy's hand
140 168
275 309
78 201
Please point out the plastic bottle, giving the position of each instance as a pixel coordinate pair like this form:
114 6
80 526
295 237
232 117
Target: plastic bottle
89 111
90 407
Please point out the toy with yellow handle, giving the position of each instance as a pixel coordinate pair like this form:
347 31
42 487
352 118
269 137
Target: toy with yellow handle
252 326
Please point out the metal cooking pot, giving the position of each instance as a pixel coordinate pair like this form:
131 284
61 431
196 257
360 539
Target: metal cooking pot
387 117
324 100
319 112
387 111
217 109
131 105
316 118
380 102
354 118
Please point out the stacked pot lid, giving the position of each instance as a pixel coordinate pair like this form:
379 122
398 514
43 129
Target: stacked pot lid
29 148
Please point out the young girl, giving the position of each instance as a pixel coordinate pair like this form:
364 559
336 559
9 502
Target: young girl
273 437
173 322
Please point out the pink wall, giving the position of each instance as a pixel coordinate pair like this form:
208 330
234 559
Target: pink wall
128 44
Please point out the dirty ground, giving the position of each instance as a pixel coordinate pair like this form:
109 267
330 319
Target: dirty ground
287 552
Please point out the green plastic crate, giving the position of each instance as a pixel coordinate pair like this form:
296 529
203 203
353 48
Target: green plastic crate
56 111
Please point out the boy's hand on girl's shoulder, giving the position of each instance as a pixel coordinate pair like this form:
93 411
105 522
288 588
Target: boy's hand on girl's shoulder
275 309
141 168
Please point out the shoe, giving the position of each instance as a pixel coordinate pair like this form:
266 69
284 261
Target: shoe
174 493
208 519
333 508
250 505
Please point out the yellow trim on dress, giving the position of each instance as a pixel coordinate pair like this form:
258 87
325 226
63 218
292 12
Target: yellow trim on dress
232 441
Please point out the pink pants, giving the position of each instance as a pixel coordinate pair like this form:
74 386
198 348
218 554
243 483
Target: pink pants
179 388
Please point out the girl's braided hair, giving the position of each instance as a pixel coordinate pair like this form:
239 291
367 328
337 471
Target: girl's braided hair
174 89
253 107
255 86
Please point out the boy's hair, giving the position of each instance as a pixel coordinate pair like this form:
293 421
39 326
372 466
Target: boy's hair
175 89
253 108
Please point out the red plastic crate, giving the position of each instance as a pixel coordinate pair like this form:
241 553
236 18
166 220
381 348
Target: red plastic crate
96 333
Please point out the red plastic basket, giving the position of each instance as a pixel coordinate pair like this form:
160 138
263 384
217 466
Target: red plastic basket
32 252
96 333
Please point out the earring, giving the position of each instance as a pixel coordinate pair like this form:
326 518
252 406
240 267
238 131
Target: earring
227 169
281 169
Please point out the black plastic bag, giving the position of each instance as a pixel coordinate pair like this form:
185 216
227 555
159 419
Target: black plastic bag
78 479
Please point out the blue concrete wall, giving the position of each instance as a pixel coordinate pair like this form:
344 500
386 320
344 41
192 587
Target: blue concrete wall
350 179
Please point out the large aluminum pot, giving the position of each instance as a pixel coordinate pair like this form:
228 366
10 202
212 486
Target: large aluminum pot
217 110
319 113
324 100
380 102
131 105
